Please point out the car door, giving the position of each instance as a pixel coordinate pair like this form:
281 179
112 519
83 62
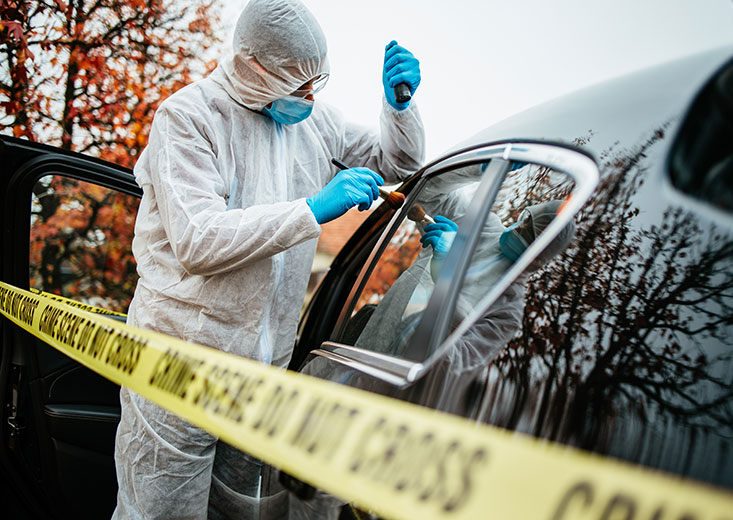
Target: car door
68 230
422 322
624 347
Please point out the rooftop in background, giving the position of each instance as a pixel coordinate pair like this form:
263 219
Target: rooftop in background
334 234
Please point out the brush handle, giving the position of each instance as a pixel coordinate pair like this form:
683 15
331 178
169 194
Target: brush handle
402 93
338 164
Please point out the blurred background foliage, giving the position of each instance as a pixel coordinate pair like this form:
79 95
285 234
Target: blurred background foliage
87 76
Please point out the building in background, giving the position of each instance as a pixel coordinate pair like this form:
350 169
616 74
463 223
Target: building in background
334 235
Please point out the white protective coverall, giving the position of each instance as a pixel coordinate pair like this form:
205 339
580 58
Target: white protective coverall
224 242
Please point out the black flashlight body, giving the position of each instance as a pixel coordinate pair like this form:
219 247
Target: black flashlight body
402 93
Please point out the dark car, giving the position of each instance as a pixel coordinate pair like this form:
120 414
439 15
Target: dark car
609 329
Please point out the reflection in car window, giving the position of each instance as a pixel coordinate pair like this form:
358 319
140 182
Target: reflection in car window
626 346
400 283
528 201
80 242
392 303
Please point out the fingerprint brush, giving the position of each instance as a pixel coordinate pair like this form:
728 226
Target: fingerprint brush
393 199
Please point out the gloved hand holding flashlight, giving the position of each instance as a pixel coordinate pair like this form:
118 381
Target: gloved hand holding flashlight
400 67
349 188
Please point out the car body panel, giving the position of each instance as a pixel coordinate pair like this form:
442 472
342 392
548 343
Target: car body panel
622 109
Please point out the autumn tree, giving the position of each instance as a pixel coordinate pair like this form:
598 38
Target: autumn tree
632 320
88 75
14 84
80 241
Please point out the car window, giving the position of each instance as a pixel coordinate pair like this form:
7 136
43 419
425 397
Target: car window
81 242
626 346
394 298
701 160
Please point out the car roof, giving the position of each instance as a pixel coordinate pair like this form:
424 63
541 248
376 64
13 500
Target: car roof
624 106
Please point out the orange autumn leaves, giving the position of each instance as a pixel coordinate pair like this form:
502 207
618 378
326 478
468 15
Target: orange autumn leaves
88 76
80 242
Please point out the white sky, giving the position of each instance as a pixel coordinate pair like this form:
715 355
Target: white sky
484 60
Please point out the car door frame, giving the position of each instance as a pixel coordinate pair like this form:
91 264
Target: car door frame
572 160
25 163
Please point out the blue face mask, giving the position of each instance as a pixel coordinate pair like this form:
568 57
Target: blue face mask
511 243
289 110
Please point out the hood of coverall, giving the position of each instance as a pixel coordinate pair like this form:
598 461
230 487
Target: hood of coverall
278 46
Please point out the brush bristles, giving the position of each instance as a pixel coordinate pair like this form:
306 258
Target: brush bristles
393 199
396 200
416 213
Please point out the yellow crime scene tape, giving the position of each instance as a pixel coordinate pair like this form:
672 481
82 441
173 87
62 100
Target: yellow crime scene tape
393 458
78 305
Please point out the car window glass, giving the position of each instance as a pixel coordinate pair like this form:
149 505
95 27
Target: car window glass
701 160
81 242
398 274
528 201
393 300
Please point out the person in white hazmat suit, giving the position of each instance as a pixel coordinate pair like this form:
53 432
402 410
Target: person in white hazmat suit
236 181
467 359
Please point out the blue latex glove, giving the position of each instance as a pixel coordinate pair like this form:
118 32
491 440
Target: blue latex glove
440 236
400 66
349 188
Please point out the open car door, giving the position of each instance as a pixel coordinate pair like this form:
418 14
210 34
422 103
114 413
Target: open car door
68 227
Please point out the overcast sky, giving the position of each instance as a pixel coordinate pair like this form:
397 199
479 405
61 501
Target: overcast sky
484 60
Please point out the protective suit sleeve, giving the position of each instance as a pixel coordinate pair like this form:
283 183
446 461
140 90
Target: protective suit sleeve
396 152
205 237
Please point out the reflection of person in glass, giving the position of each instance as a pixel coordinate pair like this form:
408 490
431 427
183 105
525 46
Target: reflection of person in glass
387 327
390 324
469 357
498 248
447 196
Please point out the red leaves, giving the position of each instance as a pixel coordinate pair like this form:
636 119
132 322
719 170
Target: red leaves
14 31
398 256
102 73
88 230
11 107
